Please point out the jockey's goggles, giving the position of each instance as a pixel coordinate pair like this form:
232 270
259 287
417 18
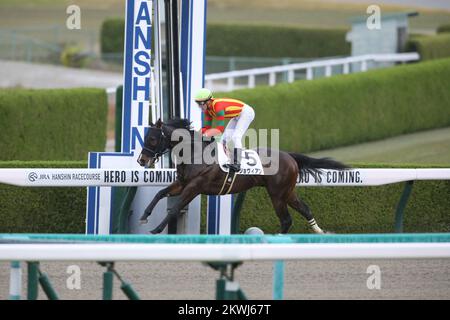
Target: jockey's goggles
202 103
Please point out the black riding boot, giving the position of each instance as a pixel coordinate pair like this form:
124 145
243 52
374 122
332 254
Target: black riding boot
236 160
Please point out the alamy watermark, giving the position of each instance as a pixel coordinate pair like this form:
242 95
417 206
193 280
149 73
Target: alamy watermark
73 281
373 22
374 280
73 21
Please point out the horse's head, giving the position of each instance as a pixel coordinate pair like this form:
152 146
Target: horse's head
158 140
156 143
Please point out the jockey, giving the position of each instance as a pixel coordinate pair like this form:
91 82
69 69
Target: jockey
219 109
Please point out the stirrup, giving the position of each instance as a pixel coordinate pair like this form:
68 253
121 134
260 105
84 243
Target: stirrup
235 161
236 167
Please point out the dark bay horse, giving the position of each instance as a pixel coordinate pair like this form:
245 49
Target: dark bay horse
195 178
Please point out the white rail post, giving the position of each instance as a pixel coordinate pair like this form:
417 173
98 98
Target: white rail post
251 81
291 76
230 83
272 79
346 69
364 65
15 281
328 71
309 73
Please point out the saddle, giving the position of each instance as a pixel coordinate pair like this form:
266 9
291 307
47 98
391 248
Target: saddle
250 161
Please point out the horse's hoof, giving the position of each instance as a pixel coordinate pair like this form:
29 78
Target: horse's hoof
143 221
329 232
155 231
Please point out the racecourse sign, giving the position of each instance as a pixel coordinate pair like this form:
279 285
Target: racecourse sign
138 79
36 177
87 177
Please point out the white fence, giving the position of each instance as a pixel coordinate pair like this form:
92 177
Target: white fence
220 252
216 249
45 177
348 64
212 80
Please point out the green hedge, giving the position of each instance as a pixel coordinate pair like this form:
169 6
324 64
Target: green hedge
430 47
112 34
54 124
249 40
274 41
357 209
42 210
443 28
350 109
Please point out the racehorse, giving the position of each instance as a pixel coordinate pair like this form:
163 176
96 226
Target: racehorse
195 178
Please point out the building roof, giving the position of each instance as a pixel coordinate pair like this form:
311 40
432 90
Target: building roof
386 16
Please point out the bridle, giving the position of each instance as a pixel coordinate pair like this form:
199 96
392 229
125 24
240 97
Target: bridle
157 152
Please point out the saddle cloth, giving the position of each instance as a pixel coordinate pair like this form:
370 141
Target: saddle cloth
250 161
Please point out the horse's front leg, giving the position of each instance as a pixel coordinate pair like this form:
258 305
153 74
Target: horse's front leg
187 195
172 190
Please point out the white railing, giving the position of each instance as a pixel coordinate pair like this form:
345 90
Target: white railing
53 177
347 65
290 70
220 252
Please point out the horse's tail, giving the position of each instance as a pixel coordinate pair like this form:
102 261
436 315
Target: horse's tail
313 166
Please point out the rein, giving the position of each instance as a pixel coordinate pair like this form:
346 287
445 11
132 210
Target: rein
156 155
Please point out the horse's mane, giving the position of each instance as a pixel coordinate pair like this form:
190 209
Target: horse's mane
179 123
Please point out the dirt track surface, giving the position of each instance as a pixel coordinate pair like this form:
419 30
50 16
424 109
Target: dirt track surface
400 279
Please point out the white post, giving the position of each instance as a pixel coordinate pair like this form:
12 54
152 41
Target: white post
251 81
346 69
328 71
291 76
309 74
230 83
272 79
15 281
364 65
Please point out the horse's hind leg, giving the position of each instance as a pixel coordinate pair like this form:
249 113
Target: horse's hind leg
282 212
303 208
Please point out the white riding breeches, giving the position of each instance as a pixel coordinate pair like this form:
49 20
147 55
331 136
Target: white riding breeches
237 127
